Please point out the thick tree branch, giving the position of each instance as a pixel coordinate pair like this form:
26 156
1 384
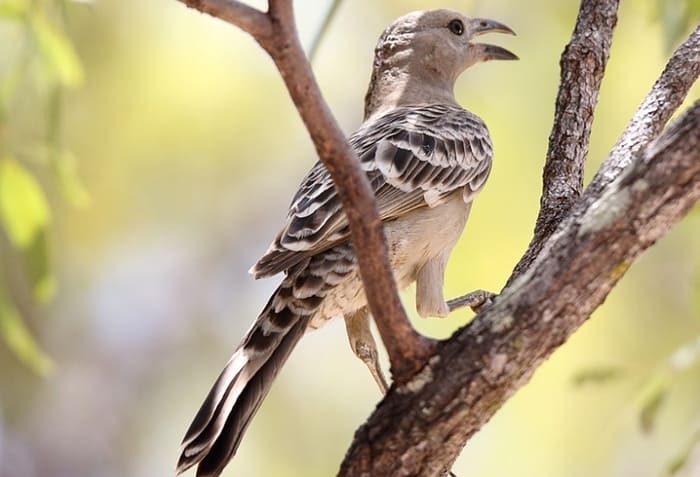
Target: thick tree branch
420 428
582 68
276 33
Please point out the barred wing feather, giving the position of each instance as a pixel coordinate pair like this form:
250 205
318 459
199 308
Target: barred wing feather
414 156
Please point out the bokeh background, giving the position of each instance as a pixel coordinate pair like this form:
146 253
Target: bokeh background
188 150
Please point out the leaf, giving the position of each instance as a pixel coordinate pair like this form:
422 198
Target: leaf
57 51
13 9
39 271
20 341
597 375
71 186
24 211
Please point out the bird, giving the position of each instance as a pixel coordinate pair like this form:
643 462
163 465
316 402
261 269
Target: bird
426 158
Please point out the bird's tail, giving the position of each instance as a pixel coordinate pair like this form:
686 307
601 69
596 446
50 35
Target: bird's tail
216 431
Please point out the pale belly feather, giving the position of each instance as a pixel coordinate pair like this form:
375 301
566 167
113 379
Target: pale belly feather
413 240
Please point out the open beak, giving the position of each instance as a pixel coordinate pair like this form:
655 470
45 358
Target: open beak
481 26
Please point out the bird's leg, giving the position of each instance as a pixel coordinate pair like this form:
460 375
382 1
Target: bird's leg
475 300
363 344
430 300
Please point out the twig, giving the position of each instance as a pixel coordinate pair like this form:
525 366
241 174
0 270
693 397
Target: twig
245 17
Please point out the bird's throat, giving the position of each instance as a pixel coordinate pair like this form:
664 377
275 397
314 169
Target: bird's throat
392 86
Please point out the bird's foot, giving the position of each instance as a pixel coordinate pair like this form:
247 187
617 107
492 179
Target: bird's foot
476 300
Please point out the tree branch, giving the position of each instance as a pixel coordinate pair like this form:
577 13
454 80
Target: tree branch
245 17
421 427
582 68
407 349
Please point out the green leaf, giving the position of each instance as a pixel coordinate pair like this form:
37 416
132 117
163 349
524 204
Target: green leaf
597 375
39 271
13 9
24 211
57 51
20 341
71 186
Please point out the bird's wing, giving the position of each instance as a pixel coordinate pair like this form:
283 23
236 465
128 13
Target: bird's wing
414 156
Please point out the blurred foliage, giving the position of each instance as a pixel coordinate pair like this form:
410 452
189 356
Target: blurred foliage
653 396
597 375
18 338
24 210
681 460
654 390
38 63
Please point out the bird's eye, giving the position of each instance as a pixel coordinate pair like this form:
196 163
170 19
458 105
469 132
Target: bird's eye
456 27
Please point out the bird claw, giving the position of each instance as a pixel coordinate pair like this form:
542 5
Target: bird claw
477 300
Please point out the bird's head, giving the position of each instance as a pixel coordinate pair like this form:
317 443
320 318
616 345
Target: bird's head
433 48
440 40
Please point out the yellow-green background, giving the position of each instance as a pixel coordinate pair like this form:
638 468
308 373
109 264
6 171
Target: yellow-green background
191 150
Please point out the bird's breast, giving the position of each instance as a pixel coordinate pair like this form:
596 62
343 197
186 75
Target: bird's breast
424 234
412 240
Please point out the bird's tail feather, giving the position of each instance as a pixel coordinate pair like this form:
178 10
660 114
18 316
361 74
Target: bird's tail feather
216 431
